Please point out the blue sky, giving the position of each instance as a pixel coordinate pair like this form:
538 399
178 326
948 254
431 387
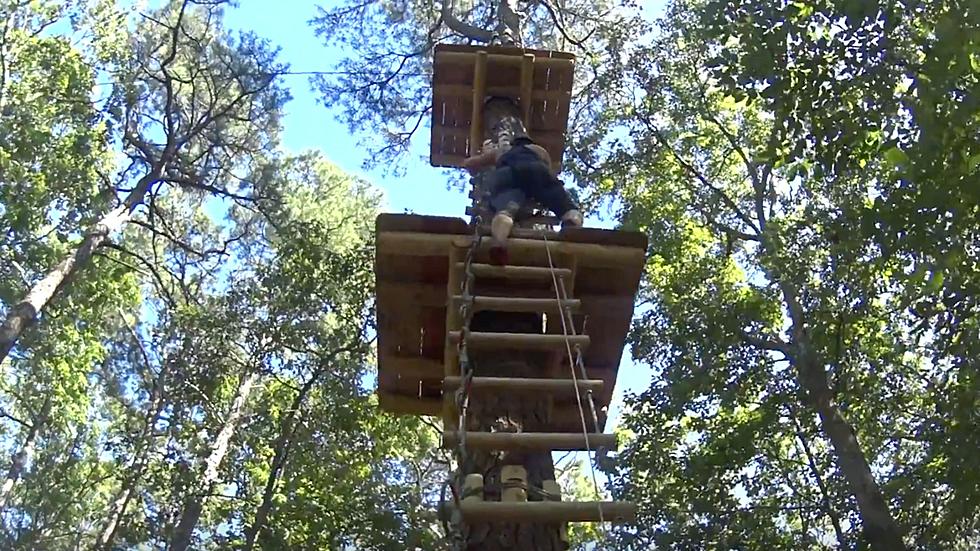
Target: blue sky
309 125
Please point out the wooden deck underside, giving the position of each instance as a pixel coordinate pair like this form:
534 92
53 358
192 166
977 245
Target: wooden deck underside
412 271
452 96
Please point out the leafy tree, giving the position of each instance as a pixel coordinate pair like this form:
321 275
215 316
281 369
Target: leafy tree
761 156
189 105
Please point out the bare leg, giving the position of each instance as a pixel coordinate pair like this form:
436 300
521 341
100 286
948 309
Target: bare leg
500 228
499 232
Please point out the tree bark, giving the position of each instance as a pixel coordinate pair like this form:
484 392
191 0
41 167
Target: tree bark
282 448
515 412
880 528
25 312
194 504
508 29
24 454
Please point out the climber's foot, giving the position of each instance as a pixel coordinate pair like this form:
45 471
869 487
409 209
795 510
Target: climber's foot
572 219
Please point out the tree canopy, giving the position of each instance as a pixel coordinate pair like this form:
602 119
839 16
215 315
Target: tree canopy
187 345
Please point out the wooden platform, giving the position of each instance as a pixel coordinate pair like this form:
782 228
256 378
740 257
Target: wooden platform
454 67
413 270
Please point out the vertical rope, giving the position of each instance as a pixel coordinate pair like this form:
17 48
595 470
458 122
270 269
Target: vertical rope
571 366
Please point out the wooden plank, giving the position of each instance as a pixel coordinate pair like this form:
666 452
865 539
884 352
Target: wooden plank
464 132
515 272
408 405
519 341
530 441
467 58
616 512
418 222
590 254
564 418
505 50
452 160
554 386
416 294
512 91
520 304
479 92
413 367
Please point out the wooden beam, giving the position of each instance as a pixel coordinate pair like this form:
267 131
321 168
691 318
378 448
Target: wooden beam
616 512
414 294
450 354
410 368
565 419
530 441
519 341
514 272
434 244
397 403
554 386
502 91
499 59
479 92
527 83
520 304
463 132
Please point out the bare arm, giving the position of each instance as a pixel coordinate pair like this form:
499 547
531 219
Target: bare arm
483 160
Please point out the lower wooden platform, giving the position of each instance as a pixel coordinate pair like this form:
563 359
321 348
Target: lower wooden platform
412 270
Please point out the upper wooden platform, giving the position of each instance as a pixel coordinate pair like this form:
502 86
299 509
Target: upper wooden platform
454 68
413 272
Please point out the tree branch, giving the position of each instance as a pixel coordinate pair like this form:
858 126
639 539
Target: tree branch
465 29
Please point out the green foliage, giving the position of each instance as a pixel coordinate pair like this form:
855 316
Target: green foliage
772 152
114 404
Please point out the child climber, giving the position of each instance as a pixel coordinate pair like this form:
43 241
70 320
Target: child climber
523 170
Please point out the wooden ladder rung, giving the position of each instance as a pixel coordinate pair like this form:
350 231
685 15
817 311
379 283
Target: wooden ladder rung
515 272
617 512
527 233
520 304
554 386
520 341
530 441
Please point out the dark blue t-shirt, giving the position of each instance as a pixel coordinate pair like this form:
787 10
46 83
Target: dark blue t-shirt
519 155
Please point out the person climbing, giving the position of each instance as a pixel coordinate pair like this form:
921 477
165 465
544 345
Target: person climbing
523 171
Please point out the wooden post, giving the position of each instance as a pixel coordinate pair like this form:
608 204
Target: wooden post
473 487
513 480
479 93
453 321
553 493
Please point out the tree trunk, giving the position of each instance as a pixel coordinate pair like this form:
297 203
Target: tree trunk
22 315
508 28
282 447
24 454
137 466
880 528
219 448
514 412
